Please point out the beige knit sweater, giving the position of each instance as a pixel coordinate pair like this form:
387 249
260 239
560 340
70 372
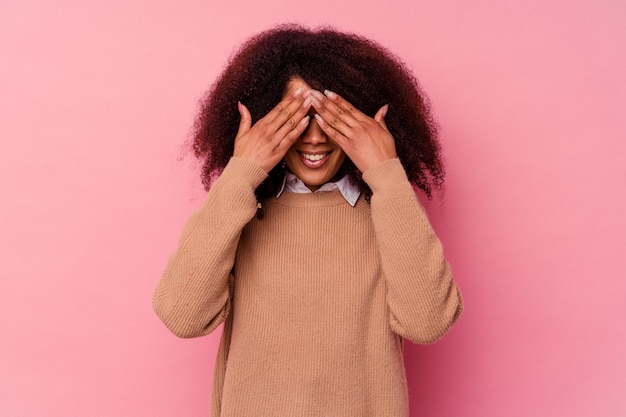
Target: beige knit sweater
316 296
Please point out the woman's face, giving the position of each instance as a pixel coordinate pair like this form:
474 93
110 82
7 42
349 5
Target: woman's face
313 158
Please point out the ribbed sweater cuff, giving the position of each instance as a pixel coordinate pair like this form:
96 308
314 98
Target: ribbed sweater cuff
240 169
385 176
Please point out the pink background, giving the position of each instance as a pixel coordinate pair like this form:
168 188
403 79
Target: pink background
96 100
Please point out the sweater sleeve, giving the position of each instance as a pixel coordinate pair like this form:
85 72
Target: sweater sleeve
193 298
422 296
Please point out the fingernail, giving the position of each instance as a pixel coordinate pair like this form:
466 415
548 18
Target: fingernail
298 91
305 120
317 101
319 118
330 94
239 106
385 109
317 94
308 101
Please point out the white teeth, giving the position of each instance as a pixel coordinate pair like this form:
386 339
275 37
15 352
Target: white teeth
314 157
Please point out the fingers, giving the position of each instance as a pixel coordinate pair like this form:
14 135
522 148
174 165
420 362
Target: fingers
332 133
340 106
285 111
365 140
246 120
292 123
291 119
292 136
338 114
380 116
266 141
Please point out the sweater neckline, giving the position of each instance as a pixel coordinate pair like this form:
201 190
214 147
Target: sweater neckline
325 199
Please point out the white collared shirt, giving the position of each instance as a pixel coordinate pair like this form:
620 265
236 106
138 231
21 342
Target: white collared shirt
293 184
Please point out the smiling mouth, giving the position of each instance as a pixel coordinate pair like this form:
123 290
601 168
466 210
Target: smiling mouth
314 157
314 160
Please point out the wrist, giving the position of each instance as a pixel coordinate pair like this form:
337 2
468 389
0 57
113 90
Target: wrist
385 175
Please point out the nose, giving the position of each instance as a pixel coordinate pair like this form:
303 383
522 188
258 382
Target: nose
314 135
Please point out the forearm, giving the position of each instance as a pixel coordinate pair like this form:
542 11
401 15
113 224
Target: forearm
192 297
423 298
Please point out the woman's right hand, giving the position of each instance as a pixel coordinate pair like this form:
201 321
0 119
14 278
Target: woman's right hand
268 140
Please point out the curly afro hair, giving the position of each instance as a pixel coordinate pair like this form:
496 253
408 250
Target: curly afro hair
363 72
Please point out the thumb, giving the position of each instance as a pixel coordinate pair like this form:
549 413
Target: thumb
380 116
246 119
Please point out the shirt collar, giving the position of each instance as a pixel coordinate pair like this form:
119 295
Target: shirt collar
293 184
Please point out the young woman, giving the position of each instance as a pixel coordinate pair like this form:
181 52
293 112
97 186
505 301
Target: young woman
311 246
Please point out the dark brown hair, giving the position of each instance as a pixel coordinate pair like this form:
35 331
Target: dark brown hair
363 72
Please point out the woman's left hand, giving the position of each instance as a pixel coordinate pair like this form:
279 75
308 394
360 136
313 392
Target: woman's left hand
365 140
